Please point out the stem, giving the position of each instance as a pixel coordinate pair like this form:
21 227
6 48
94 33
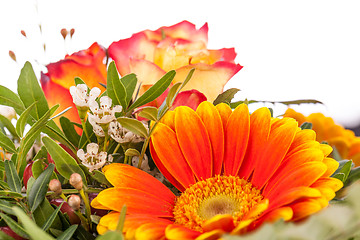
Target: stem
117 148
85 198
105 142
83 123
141 157
84 221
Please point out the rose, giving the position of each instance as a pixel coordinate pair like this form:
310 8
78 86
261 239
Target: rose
87 64
182 47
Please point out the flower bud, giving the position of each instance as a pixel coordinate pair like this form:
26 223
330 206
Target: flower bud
12 55
63 32
72 31
76 181
23 33
55 186
74 202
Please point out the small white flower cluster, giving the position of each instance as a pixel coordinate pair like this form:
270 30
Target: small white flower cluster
122 135
93 159
81 97
104 113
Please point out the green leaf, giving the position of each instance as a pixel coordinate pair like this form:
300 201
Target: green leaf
149 113
79 81
19 230
100 177
300 101
23 119
10 194
39 188
111 235
346 169
12 177
9 98
65 163
306 125
172 94
7 123
340 176
69 131
154 91
3 184
56 134
115 88
129 81
38 167
134 126
226 96
4 236
68 233
6 143
31 136
6 207
30 91
52 218
42 214
353 175
31 228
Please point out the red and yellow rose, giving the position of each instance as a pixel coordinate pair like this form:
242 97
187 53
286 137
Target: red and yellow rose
150 54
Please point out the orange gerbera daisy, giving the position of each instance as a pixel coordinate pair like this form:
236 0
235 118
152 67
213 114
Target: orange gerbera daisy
344 140
234 171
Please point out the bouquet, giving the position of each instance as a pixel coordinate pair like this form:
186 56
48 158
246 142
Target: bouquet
140 141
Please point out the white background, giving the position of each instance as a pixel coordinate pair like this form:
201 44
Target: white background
289 49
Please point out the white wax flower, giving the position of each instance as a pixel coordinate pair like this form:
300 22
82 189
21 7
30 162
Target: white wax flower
122 135
104 113
92 159
7 112
80 95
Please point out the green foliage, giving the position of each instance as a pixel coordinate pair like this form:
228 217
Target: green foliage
115 88
226 96
65 163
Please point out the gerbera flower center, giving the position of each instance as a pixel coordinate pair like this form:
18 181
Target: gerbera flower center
218 195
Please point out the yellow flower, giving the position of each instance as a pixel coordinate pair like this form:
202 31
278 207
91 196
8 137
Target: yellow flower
344 140
234 171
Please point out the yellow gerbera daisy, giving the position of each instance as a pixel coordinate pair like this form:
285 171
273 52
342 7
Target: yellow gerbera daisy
234 170
344 140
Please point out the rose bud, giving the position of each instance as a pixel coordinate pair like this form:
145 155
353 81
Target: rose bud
74 202
11 233
76 181
63 32
55 186
65 208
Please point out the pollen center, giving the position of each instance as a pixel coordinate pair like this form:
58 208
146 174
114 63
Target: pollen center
218 195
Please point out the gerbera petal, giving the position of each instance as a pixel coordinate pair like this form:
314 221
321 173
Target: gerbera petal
223 222
259 133
281 136
106 221
305 208
151 231
123 175
225 112
175 232
132 222
194 142
257 210
241 226
292 195
171 154
137 202
291 163
285 213
332 165
305 175
219 73
328 182
236 139
212 235
212 121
